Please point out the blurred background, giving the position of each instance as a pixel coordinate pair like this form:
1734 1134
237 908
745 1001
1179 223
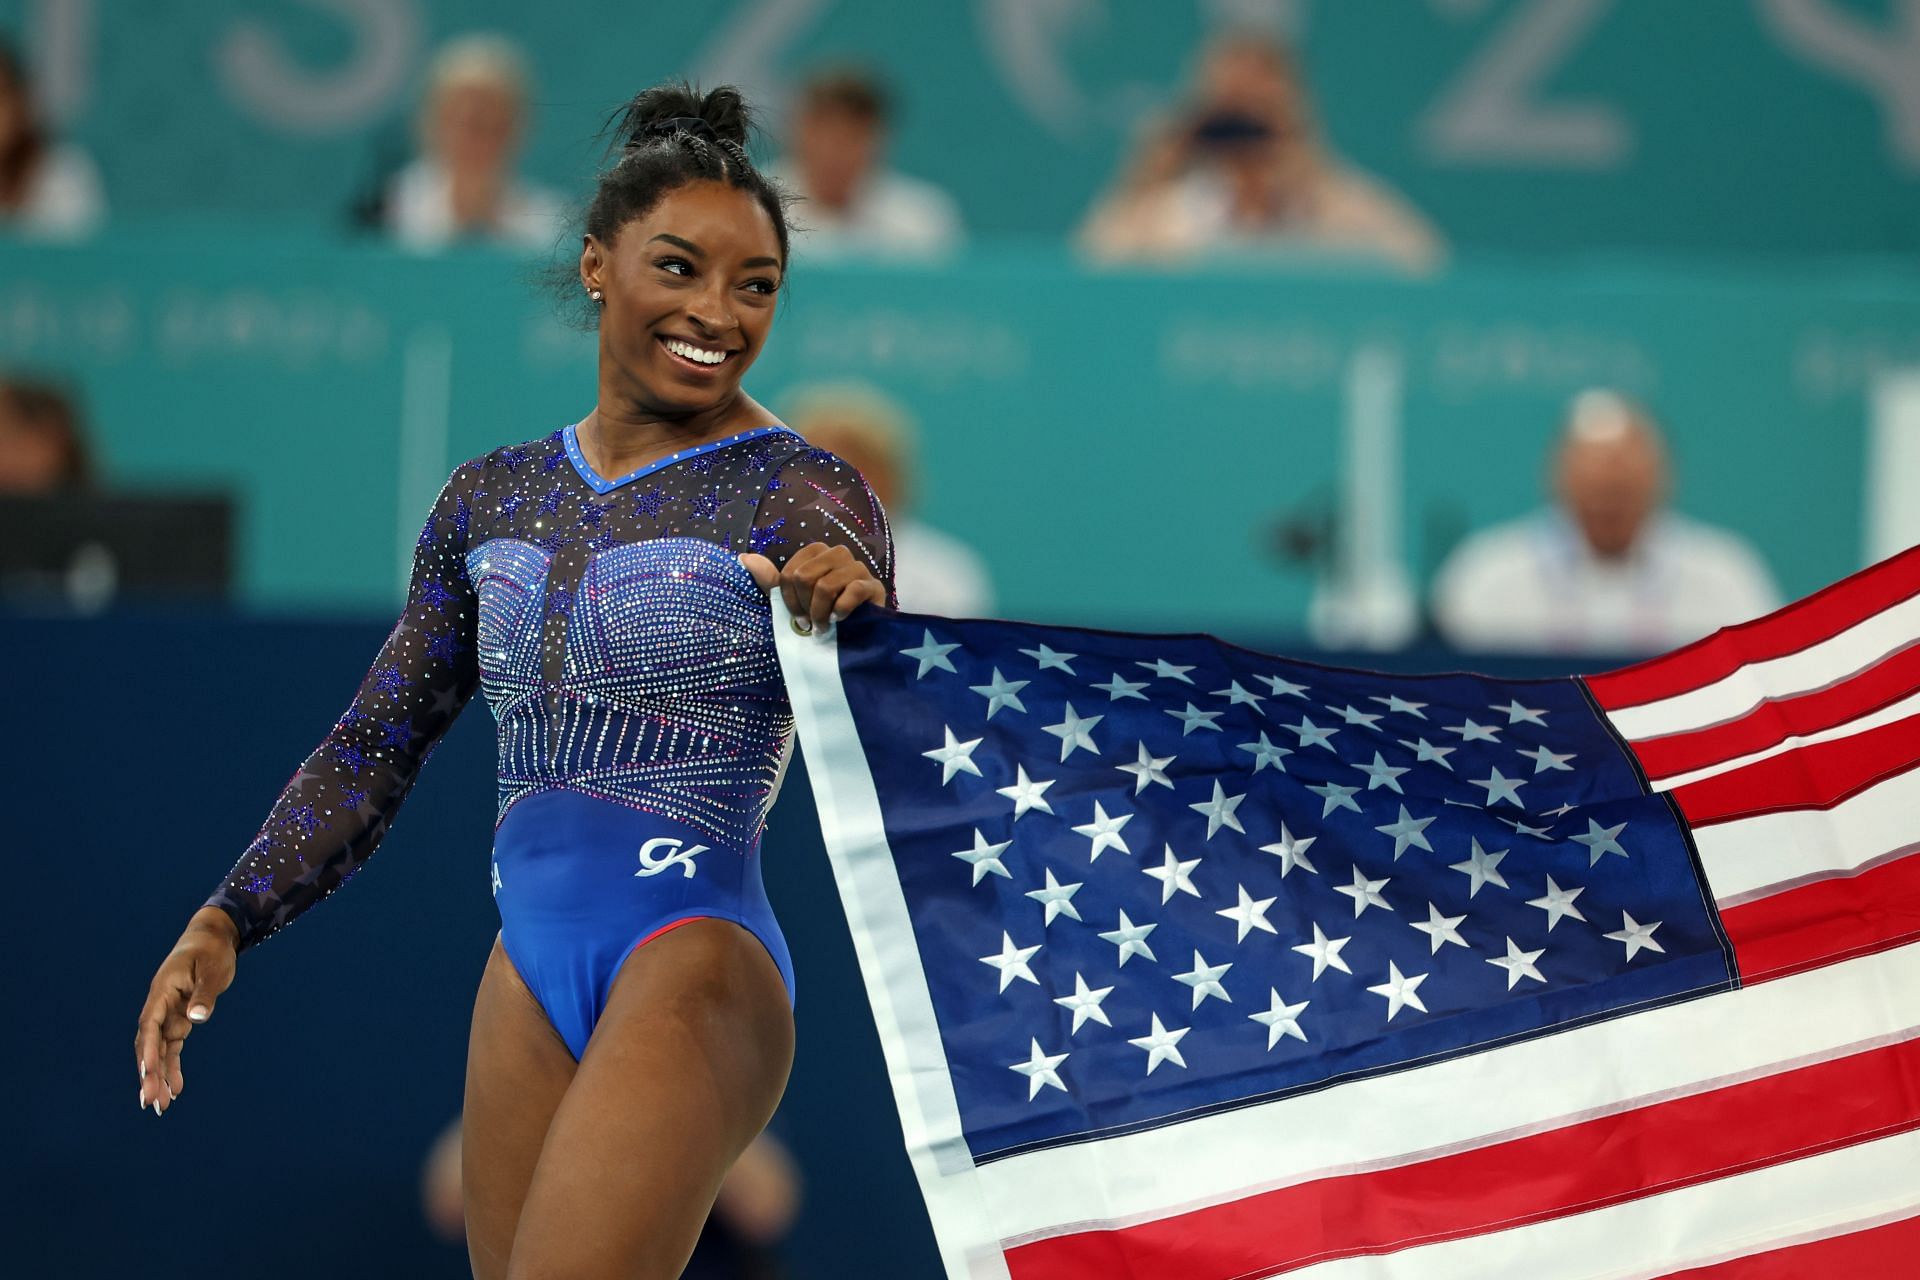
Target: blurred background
1524 335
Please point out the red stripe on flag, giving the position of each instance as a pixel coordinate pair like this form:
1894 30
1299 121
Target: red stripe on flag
1608 1160
1815 777
1820 616
1774 721
1886 1252
1827 921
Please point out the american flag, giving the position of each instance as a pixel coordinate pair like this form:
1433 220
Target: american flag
1194 963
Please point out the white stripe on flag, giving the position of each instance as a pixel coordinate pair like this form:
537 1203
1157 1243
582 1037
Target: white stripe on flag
1872 720
1752 857
1482 1098
1815 667
1660 1234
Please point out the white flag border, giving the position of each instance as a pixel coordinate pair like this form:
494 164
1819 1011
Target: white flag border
897 988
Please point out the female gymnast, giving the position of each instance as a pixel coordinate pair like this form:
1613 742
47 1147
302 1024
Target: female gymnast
605 586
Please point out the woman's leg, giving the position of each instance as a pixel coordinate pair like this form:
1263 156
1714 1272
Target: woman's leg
518 1069
685 1066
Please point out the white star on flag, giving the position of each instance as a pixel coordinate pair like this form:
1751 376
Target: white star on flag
954 757
1131 938
1280 1019
1291 852
1518 964
1284 688
1601 841
1312 735
1085 1003
1407 832
1249 914
1166 670
1636 936
1265 753
1219 811
1160 1046
1012 961
1194 718
1075 733
1335 796
1440 929
1116 689
1354 715
1174 876
1557 903
1041 1069
1057 898
1395 703
1382 774
1104 831
930 654
1481 869
1364 892
1425 751
984 858
1148 769
1324 951
1399 990
1517 714
1205 978
1471 732
1236 696
1544 760
1500 787
1051 658
1001 692
1026 792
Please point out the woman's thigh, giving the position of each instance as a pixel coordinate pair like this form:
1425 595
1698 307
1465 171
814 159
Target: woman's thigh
685 1066
518 1069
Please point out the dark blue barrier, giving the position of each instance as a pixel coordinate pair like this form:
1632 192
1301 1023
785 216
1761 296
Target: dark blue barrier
139 753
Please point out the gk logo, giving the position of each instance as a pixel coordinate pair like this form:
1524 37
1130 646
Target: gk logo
652 864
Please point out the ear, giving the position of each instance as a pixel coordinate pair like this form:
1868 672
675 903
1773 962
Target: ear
593 263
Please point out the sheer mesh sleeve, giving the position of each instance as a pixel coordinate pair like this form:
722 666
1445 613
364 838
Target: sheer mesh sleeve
816 497
334 811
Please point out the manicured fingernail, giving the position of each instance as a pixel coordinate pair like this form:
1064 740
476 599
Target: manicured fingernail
197 1014
143 1071
156 1106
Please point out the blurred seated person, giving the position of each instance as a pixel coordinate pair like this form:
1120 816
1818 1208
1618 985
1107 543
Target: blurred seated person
1241 167
42 447
758 1201
464 186
1608 570
934 572
48 190
851 204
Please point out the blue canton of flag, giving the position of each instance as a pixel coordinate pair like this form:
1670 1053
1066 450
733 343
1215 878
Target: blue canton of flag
1152 877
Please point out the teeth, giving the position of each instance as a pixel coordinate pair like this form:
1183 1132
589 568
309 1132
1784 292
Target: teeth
691 352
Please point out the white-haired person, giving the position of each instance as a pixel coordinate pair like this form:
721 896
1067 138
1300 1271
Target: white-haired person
464 186
1608 568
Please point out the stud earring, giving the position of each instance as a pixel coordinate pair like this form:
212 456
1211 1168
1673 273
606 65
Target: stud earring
596 295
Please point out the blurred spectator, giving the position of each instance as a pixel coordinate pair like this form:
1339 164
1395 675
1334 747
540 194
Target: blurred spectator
758 1201
1609 570
934 572
47 190
464 185
1241 166
43 449
852 205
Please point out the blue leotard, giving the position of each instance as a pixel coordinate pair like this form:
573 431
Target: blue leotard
628 658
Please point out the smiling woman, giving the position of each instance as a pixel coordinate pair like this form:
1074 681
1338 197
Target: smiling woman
604 586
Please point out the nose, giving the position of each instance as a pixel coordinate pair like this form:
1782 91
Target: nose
711 309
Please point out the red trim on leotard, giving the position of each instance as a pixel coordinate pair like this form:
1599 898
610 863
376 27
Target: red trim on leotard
668 928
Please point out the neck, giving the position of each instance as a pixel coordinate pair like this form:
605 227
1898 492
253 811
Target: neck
619 436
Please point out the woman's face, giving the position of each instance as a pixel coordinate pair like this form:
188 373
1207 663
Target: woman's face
689 292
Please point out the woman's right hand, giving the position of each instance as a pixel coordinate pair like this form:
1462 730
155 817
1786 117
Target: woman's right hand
190 979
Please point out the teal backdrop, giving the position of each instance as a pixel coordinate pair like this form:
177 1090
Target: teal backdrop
1118 446
1519 125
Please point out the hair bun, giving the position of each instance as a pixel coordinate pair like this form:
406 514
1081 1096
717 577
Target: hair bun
723 110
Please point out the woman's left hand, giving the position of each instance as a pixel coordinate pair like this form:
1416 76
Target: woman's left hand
819 582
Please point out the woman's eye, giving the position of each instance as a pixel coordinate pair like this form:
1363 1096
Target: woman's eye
679 266
761 286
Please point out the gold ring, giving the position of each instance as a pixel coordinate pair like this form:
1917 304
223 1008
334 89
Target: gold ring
801 625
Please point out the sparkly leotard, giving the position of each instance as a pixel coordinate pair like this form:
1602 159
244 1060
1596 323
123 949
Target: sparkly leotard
628 658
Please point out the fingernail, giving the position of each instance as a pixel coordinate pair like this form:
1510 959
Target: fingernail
156 1106
143 1071
197 1014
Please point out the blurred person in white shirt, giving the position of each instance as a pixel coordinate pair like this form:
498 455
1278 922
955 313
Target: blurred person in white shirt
463 186
48 190
933 572
851 204
1242 167
1608 569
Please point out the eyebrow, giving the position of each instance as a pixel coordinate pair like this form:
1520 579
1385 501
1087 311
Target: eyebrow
698 252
